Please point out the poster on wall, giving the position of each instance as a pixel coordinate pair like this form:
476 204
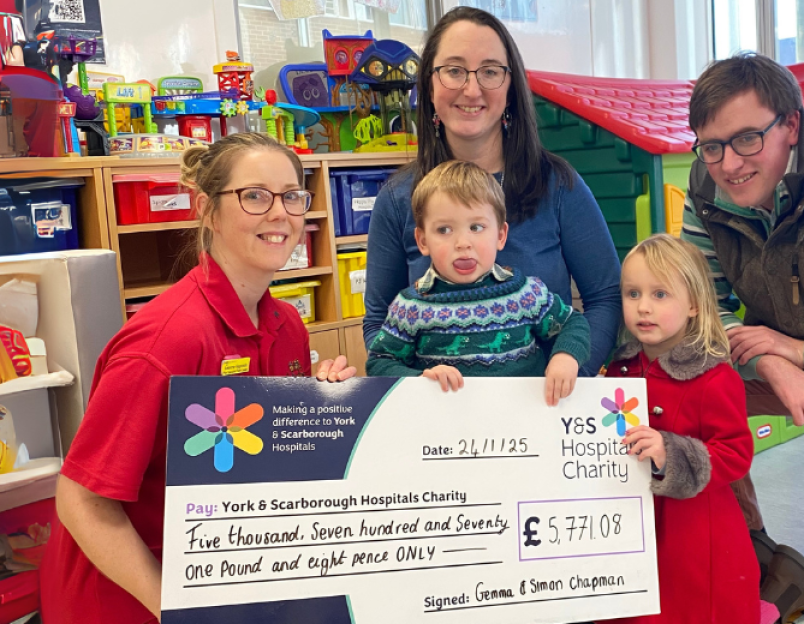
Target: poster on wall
79 18
297 9
507 10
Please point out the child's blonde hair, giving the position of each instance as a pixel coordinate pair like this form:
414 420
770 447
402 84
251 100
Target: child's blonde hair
667 258
463 181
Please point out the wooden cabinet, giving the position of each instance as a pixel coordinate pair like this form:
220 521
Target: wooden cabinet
355 348
324 345
148 254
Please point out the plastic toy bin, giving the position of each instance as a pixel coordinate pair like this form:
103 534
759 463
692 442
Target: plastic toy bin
353 195
300 295
352 279
150 198
38 215
19 594
302 255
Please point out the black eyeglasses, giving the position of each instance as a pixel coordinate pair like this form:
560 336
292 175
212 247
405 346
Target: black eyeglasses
488 76
256 200
744 144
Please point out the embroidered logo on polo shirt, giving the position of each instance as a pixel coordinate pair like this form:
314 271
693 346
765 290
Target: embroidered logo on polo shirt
223 429
295 368
619 411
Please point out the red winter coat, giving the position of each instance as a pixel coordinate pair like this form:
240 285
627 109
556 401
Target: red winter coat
708 572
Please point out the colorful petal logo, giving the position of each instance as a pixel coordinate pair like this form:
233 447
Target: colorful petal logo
620 411
223 429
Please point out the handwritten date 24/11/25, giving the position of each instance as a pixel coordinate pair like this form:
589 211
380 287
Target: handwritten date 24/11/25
485 447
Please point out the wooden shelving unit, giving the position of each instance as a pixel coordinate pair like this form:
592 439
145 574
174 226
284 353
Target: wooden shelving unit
147 253
156 227
94 229
351 240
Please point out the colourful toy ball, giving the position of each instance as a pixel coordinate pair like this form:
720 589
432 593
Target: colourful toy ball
85 106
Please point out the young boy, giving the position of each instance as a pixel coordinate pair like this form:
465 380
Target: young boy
467 315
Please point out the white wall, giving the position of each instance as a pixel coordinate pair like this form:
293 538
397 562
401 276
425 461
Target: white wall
680 38
154 38
620 39
559 40
660 39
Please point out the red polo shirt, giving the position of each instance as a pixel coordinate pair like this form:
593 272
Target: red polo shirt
119 451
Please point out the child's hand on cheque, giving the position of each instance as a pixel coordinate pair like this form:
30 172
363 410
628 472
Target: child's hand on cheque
647 443
447 376
560 377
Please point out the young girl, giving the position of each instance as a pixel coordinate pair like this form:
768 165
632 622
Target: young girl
103 562
698 440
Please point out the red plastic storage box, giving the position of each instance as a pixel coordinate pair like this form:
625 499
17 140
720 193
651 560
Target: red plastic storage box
19 596
151 198
132 307
29 527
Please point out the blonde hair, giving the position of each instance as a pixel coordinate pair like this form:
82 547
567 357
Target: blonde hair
207 169
464 182
670 258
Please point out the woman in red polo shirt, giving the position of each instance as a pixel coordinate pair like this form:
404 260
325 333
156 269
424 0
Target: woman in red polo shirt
103 562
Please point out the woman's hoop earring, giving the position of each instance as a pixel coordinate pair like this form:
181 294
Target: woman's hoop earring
437 124
506 122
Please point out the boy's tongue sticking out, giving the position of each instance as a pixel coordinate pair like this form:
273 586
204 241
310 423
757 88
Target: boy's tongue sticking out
464 265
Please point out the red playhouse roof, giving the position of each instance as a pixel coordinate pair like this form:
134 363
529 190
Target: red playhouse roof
798 72
651 114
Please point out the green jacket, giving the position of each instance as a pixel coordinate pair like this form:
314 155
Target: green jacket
753 256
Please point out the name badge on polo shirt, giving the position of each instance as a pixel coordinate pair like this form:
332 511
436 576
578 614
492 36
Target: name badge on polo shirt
235 365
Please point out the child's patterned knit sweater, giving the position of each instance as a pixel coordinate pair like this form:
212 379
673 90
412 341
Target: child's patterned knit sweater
491 328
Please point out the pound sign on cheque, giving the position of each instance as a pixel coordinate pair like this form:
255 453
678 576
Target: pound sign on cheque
531 531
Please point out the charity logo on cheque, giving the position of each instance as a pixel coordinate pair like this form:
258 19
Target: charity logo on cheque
223 429
620 411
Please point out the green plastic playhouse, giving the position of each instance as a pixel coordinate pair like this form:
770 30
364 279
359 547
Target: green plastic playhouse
628 139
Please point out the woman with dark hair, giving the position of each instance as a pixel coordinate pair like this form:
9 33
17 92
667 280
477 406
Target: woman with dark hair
475 105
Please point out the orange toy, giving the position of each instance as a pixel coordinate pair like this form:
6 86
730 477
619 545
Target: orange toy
12 343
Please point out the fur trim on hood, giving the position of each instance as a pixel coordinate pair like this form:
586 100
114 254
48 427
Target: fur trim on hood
682 362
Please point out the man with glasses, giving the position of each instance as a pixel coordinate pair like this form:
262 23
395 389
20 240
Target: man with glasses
745 210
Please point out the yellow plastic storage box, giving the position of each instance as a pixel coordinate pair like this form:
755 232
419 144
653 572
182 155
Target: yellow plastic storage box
301 295
352 278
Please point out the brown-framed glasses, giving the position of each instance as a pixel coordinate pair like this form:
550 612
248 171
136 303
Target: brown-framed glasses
255 200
